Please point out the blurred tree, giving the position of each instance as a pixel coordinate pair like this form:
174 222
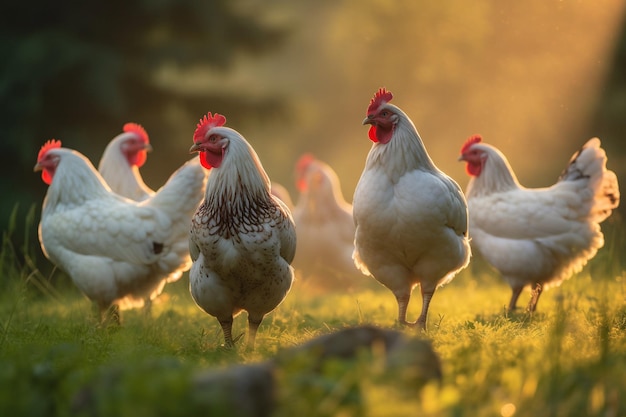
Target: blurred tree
73 69
609 118
610 113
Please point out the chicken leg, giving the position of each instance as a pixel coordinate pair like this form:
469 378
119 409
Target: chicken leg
537 288
109 314
403 303
426 297
253 326
514 296
227 329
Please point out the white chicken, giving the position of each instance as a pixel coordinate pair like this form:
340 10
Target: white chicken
324 225
537 237
121 160
243 238
119 166
411 218
117 252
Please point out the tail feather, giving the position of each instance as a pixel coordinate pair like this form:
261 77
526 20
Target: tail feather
182 192
609 196
178 199
589 163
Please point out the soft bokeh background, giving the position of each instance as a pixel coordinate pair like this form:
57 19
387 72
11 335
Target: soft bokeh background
535 78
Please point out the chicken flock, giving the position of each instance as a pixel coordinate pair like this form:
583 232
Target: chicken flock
244 242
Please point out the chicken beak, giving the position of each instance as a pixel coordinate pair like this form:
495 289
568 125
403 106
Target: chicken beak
195 148
369 120
37 167
147 147
461 158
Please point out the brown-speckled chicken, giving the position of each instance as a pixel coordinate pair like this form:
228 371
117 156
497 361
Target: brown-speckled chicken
243 239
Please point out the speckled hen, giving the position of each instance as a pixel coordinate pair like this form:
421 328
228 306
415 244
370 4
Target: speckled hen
242 239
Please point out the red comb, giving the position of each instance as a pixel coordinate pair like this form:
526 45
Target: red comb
138 129
207 122
51 144
470 141
381 97
304 161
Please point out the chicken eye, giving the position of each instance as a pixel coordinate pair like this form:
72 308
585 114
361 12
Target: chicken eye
213 138
384 113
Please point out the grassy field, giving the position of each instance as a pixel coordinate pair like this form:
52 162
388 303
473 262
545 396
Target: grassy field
568 359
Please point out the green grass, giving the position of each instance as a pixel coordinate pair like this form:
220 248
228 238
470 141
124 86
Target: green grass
568 359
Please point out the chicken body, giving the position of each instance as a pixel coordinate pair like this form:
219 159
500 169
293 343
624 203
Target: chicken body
280 191
121 160
537 237
243 239
411 218
116 251
324 225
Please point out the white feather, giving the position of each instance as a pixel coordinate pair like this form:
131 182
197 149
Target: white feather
325 228
411 218
544 235
115 250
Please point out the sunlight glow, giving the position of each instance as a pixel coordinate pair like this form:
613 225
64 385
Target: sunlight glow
507 410
527 76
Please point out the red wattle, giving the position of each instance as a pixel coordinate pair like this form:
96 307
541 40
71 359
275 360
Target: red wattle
372 133
473 169
46 176
211 160
141 158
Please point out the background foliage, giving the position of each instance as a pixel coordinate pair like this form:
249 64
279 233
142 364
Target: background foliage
78 71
